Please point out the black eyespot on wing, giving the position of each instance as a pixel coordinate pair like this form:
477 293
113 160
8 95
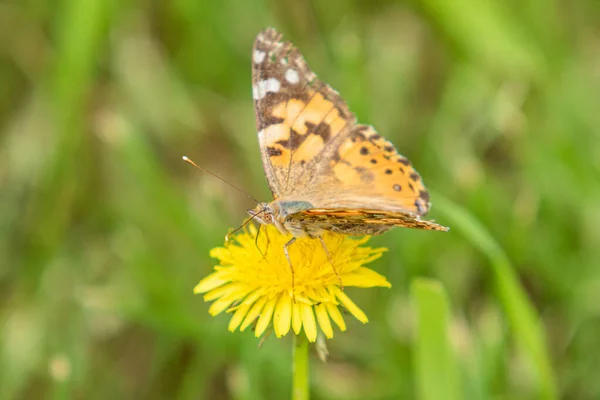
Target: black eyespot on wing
273 152
420 207
322 129
294 141
365 175
360 129
364 151
268 120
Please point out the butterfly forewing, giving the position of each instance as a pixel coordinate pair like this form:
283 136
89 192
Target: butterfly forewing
297 114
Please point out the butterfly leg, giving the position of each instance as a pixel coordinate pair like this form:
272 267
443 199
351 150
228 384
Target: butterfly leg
331 262
264 255
268 241
256 243
287 255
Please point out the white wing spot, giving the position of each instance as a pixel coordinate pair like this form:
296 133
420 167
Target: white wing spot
270 85
260 90
291 75
273 85
259 56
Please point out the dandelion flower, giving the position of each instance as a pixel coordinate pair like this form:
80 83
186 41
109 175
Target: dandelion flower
254 282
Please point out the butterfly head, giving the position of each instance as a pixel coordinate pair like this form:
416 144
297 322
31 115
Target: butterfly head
268 214
262 213
276 212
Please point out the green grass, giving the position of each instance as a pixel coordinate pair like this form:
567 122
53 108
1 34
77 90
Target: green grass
437 375
104 231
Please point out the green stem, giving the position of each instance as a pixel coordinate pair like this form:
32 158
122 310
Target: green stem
300 388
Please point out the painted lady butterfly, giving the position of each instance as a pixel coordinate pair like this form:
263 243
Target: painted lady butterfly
326 171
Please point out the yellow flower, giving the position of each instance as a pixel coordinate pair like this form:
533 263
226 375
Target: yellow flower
259 288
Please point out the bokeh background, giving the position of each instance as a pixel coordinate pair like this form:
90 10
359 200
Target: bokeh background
105 231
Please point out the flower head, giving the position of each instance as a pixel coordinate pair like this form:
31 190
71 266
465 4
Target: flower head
254 281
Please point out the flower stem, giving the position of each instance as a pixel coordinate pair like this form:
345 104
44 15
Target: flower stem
300 386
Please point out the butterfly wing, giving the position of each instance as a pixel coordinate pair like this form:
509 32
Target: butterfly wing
297 114
366 169
357 222
313 150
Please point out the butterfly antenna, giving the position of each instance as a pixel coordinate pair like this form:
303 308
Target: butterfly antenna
187 160
241 226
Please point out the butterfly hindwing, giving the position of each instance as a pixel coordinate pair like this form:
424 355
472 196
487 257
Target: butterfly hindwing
357 222
370 163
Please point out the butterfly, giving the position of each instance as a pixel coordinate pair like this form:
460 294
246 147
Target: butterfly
326 171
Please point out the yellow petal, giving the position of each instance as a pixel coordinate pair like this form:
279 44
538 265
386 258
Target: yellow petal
365 278
364 240
212 281
350 306
309 323
219 253
336 315
372 254
238 317
241 291
324 321
252 297
300 298
282 319
220 305
296 318
309 294
265 317
325 295
234 290
253 313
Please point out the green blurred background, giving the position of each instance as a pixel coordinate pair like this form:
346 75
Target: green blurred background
105 231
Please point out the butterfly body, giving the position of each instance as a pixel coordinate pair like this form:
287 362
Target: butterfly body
326 171
278 212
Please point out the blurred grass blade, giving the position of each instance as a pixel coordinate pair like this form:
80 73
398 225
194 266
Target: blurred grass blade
488 32
524 322
437 377
80 37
